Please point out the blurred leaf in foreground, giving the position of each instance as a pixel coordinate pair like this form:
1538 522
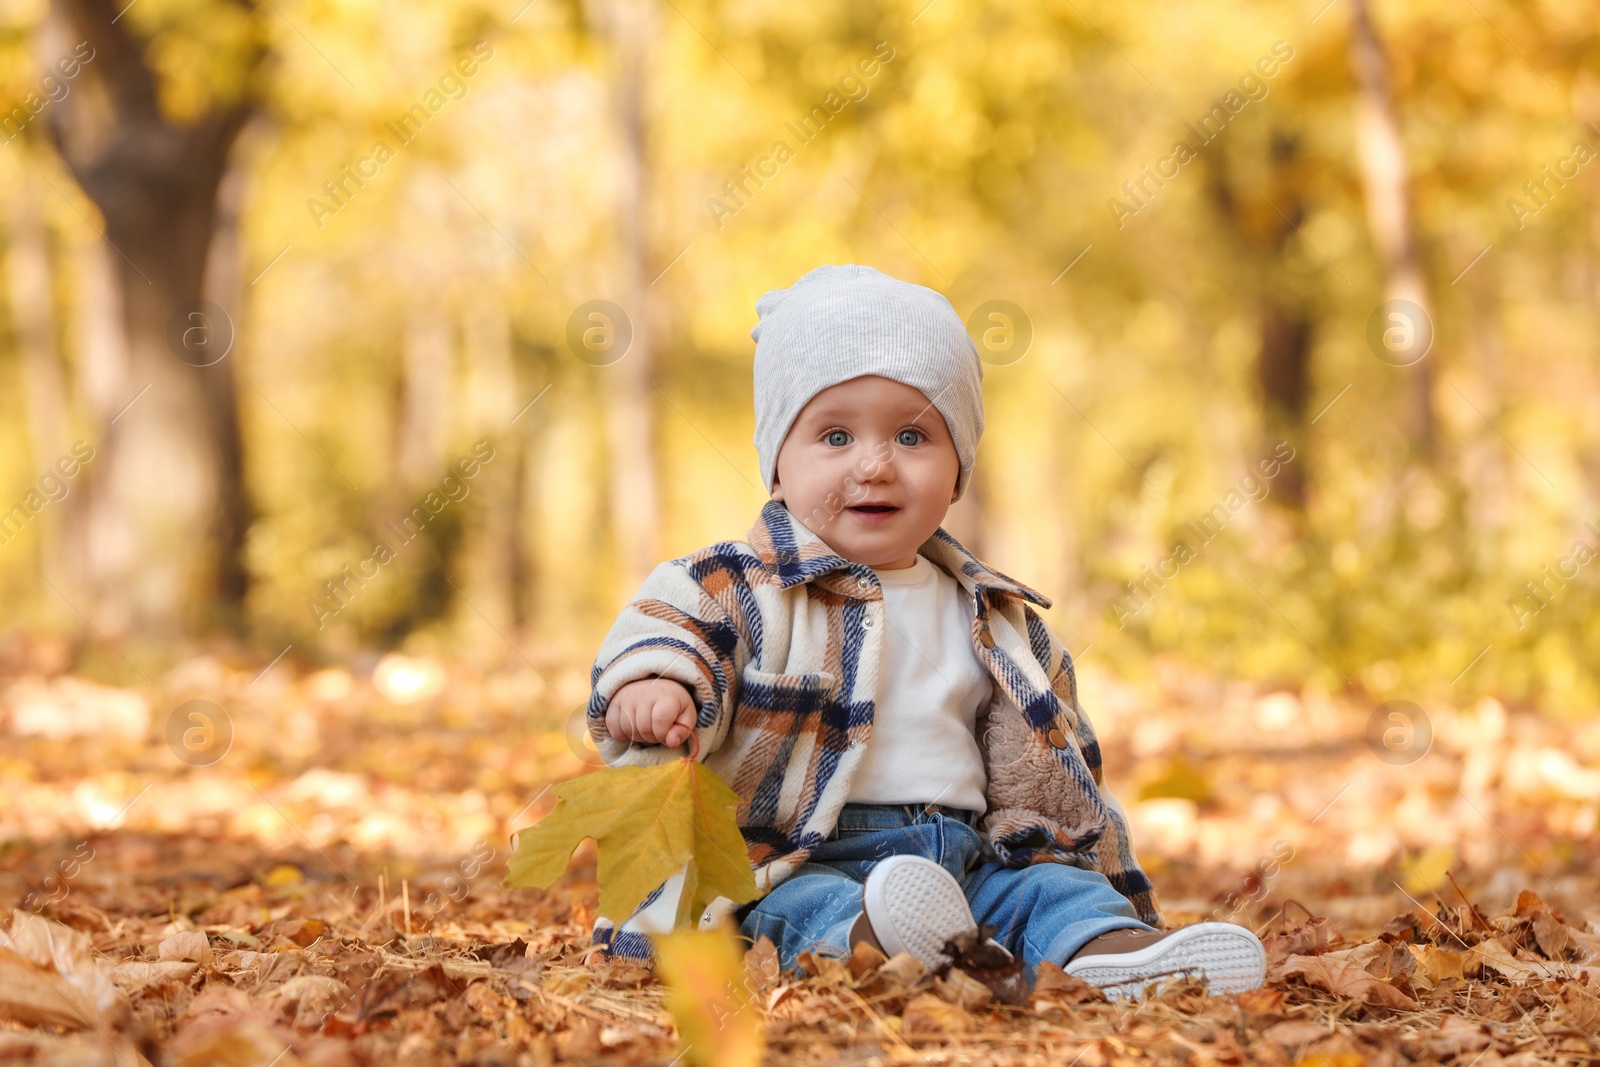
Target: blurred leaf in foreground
708 994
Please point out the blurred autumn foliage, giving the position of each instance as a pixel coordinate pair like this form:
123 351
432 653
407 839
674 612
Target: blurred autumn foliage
400 217
357 361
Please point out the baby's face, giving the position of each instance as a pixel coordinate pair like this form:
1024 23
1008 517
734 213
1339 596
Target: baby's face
869 467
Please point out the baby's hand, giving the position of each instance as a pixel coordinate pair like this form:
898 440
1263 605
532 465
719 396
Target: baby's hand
653 710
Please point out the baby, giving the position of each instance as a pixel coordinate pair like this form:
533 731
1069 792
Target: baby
901 727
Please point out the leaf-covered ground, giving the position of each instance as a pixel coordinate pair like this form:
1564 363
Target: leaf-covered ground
325 886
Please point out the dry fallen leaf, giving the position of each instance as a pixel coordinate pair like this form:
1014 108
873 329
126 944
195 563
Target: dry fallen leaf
1394 964
1319 1058
1346 978
959 987
1434 965
619 973
224 1000
579 1042
36 996
1261 1001
928 1014
825 971
761 964
864 960
903 969
1495 954
1311 938
230 1040
1528 904
1553 937
1582 1007
133 977
1296 1033
1052 982
313 997
980 957
191 946
1456 1036
302 932
43 955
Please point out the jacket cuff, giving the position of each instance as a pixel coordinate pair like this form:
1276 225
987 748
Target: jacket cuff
653 661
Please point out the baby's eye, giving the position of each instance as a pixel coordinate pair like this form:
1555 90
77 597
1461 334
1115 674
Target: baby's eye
909 438
837 438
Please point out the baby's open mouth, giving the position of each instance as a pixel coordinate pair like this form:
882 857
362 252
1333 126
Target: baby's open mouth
873 509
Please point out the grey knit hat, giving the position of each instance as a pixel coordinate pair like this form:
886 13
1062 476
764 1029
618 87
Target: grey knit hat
840 322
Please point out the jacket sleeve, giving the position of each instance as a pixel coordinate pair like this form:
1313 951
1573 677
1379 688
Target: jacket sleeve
1114 852
672 628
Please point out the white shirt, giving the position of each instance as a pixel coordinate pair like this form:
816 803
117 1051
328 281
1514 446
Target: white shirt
931 687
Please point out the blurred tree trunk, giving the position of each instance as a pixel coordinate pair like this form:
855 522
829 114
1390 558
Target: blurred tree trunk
426 394
223 285
1384 178
99 388
33 309
630 405
1482 467
488 557
1266 221
1283 360
164 514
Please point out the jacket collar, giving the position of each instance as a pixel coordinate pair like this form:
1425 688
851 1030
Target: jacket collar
793 554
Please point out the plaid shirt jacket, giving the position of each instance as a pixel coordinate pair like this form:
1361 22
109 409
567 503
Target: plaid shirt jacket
780 639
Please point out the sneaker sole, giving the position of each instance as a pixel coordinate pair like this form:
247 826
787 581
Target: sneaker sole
1229 957
915 906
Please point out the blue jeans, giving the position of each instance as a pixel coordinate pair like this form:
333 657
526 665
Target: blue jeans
1046 911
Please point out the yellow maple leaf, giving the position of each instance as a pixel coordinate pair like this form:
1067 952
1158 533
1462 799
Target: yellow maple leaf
649 823
710 998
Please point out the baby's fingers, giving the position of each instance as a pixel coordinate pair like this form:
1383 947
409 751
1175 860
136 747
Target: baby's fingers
627 721
681 727
664 715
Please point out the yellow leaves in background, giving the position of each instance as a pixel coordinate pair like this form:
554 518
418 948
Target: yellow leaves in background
283 874
709 997
201 50
1427 871
1178 777
649 823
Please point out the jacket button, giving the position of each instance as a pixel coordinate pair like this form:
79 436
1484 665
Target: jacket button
986 638
1057 738
868 623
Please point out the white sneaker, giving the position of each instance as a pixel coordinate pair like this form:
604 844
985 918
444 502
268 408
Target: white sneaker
1123 962
915 906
